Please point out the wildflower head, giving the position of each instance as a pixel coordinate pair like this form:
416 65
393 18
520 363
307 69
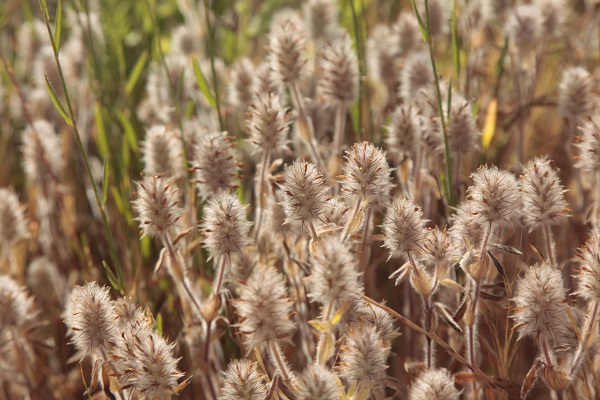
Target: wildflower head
408 33
287 47
463 135
321 18
318 382
363 360
215 164
366 174
525 27
13 225
17 306
338 81
268 123
225 225
162 152
90 317
494 197
240 87
404 228
42 152
157 205
577 96
243 381
264 309
543 195
416 74
383 62
588 275
588 145
433 384
405 132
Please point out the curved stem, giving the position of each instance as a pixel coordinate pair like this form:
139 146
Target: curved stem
279 360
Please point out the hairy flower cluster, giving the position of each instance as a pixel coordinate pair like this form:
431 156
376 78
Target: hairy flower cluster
264 309
17 308
13 225
366 174
334 273
268 123
465 230
240 92
588 145
42 152
382 55
416 75
90 317
440 252
243 381
543 195
287 47
157 205
405 133
494 197
525 26
318 382
305 193
321 18
404 228
162 152
215 164
433 384
225 225
576 93
338 80
463 135
539 306
588 275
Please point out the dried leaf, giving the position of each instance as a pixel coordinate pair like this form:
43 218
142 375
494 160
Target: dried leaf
463 377
497 264
507 249
443 312
326 347
530 379
489 296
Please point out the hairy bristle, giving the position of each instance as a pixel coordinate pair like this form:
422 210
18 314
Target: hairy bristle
338 81
434 384
243 381
157 205
162 152
215 164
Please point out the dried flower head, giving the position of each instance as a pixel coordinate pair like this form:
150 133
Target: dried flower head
366 174
494 197
554 13
162 152
243 381
416 75
364 315
525 26
321 18
215 164
405 133
268 123
265 81
129 315
240 86
463 135
434 384
382 55
90 317
318 382
406 29
404 228
588 275
543 194
363 359
287 47
17 307
439 16
157 205
539 306
305 193
13 225
334 273
577 93
186 39
46 282
42 152
338 79
588 145
225 225
440 253
264 309
465 230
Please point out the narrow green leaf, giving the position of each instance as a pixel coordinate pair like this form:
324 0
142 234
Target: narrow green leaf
111 276
136 72
449 101
203 84
159 323
57 103
455 44
58 24
44 8
105 180
422 26
102 140
128 130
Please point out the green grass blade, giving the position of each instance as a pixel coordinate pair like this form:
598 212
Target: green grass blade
129 130
203 84
105 176
136 72
455 43
58 24
57 103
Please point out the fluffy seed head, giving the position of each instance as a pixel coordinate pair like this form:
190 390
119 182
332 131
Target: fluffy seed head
588 145
366 174
463 135
416 75
265 81
465 229
494 196
90 317
408 34
334 273
434 384
240 87
304 191
321 18
13 225
440 253
539 307
588 275
287 47
162 153
16 305
338 81
215 164
129 315
268 123
439 16
318 382
403 227
543 195
382 57
577 96
363 315
42 152
553 13
363 359
405 133
225 225
264 309
525 26
46 282
157 205
243 381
